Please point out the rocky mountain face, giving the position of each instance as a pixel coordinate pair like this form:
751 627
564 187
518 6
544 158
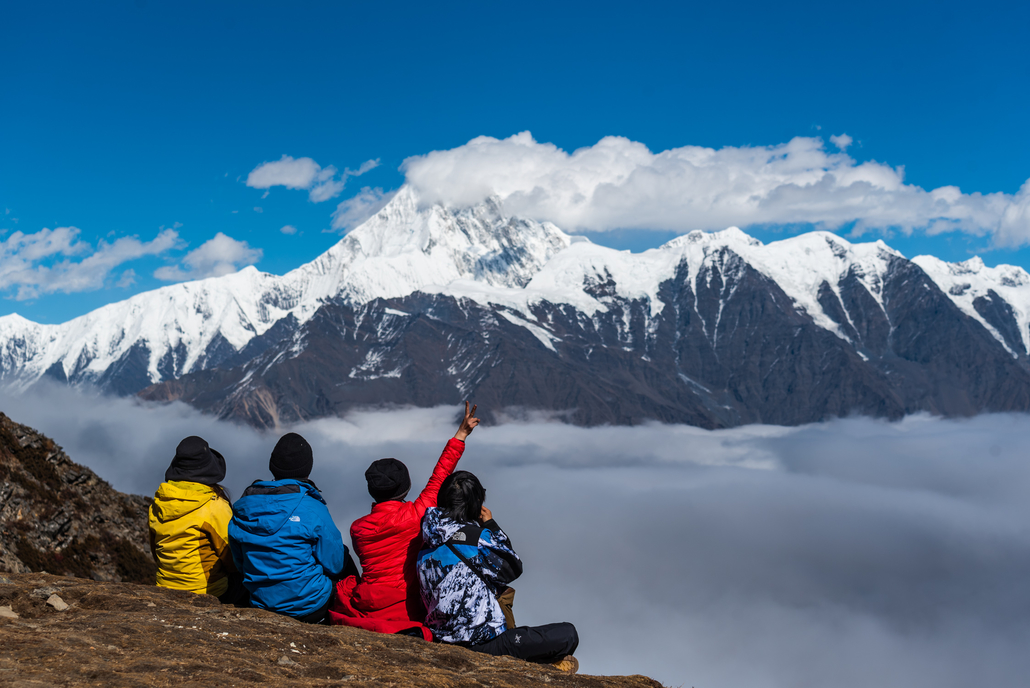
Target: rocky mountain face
59 517
124 635
430 305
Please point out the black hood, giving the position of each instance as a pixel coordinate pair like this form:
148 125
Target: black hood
196 462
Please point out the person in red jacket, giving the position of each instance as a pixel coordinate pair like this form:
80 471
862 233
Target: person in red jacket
386 597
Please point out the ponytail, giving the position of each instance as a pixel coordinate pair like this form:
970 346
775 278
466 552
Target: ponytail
221 492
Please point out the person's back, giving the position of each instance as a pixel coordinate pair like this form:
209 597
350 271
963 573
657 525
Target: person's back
464 569
284 540
189 521
386 597
461 601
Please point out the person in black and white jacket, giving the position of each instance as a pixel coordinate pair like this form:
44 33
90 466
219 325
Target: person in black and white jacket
465 563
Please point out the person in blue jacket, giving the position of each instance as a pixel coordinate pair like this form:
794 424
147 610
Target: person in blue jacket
284 540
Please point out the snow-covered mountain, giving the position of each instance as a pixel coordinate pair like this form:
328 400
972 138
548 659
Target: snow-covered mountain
998 298
425 305
165 333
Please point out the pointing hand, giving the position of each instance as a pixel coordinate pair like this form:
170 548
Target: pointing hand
468 423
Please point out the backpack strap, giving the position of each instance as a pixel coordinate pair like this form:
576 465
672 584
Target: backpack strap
469 535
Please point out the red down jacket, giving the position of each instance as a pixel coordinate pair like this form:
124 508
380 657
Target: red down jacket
386 597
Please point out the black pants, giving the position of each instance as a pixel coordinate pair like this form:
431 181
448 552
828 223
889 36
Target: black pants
235 594
541 644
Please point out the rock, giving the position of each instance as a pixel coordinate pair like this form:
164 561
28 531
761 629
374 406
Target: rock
45 592
57 603
60 517
113 638
7 613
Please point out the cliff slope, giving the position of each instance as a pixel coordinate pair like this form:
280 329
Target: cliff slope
60 517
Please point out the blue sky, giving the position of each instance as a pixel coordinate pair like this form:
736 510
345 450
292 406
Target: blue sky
144 119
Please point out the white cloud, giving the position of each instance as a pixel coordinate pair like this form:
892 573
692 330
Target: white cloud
353 211
842 142
620 184
300 173
258 209
325 190
40 263
218 256
304 173
366 166
127 279
288 229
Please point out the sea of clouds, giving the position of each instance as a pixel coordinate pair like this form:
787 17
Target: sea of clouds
849 553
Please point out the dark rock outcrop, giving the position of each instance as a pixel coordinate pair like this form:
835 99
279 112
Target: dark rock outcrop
60 517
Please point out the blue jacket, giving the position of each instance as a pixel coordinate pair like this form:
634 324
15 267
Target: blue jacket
460 602
287 546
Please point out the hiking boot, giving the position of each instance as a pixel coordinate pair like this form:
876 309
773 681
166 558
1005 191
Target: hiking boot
568 664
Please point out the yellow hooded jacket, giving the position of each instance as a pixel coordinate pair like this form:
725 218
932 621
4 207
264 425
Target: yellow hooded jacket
189 526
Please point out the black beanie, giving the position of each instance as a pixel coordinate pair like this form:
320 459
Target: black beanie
291 457
387 479
196 462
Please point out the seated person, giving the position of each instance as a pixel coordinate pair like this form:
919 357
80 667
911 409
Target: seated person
465 563
284 540
189 522
386 596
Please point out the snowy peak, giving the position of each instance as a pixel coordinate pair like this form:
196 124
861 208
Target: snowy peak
726 237
998 297
805 267
192 325
177 324
406 248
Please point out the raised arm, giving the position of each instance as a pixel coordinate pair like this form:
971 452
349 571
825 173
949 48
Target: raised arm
447 461
468 423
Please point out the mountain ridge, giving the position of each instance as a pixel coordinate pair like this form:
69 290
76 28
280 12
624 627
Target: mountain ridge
486 292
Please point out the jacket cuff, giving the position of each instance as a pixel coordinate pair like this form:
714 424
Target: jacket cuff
491 525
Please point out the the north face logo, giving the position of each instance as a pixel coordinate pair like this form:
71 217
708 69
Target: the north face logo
458 537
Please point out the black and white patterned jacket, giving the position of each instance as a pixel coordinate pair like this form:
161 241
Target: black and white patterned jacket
461 607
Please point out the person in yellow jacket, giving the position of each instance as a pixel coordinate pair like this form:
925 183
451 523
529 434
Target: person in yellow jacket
189 523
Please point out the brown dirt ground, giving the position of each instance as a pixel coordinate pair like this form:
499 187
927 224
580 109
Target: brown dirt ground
123 634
